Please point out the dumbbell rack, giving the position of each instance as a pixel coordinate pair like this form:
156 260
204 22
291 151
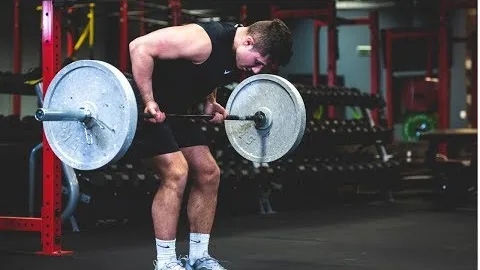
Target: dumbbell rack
316 153
312 158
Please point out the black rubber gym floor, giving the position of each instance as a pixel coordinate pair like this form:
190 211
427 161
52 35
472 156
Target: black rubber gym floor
406 235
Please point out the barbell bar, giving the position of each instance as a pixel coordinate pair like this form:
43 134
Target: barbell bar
84 115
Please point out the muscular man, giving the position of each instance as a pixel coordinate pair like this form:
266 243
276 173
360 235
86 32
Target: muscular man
174 69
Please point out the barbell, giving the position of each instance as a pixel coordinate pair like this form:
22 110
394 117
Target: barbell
90 116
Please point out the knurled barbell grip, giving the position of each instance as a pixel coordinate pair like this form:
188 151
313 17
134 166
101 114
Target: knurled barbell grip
259 117
205 116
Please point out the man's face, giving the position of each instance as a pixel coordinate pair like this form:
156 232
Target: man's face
250 60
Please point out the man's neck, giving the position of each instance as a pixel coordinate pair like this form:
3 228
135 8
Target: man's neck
238 39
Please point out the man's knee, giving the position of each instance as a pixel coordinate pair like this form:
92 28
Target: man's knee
173 174
208 176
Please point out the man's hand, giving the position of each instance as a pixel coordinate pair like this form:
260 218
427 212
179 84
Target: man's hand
152 108
217 110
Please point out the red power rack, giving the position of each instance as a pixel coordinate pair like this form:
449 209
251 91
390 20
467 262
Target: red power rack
49 224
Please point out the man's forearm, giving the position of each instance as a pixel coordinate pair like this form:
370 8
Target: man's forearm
212 97
142 69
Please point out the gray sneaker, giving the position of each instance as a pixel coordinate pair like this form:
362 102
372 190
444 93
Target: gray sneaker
173 265
205 263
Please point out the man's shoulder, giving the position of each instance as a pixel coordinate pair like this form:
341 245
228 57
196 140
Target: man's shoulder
217 25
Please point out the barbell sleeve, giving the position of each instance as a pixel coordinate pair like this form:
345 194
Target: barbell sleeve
62 115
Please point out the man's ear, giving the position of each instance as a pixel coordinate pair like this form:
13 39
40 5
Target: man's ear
248 41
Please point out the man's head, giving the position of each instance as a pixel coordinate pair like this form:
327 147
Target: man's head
264 43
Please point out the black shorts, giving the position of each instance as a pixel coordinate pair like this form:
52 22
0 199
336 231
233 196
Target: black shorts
152 139
167 137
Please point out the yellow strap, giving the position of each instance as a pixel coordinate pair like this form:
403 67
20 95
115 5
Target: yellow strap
33 82
91 16
81 39
88 30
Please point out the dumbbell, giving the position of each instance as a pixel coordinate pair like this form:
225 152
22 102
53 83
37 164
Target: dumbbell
359 167
122 179
98 178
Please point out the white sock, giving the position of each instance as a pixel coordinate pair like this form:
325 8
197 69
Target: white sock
165 251
198 246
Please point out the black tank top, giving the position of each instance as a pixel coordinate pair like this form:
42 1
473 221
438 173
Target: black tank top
179 84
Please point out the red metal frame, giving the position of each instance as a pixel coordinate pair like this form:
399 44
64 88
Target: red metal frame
49 224
70 43
390 36
374 61
20 224
123 45
299 13
443 70
389 77
332 44
17 54
176 11
52 176
244 21
354 21
443 74
316 51
412 35
243 15
332 23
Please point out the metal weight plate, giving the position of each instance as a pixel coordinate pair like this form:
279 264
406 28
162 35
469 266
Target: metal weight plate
106 92
285 109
